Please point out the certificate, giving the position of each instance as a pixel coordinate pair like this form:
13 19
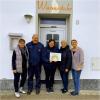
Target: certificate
55 56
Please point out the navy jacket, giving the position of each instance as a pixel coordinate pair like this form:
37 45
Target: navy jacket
46 55
66 58
35 52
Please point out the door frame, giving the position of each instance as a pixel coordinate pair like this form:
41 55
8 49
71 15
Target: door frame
68 18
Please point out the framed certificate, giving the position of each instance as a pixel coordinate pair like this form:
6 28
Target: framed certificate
55 56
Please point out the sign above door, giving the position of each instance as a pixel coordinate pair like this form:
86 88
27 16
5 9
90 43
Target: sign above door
54 6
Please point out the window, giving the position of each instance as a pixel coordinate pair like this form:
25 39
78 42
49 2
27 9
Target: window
53 36
53 21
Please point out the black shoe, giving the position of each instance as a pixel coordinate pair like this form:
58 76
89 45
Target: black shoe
51 89
74 93
37 91
29 92
48 90
64 90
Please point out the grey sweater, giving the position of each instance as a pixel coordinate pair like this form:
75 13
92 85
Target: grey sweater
77 59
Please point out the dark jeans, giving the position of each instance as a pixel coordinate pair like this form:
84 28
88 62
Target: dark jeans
64 76
76 78
17 79
49 76
34 70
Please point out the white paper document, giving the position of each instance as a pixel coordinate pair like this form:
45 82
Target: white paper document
55 56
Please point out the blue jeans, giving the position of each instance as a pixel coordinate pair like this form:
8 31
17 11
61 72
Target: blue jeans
76 79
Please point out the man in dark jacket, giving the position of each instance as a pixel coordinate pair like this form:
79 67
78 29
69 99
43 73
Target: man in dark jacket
35 49
65 64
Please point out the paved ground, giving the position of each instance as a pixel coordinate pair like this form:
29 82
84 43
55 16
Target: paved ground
57 95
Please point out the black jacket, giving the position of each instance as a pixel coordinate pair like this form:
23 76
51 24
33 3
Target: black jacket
46 55
66 58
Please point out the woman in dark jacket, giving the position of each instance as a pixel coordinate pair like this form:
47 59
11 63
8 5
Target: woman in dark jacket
19 66
65 64
49 66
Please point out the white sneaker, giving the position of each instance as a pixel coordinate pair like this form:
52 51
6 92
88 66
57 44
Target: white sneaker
21 90
17 94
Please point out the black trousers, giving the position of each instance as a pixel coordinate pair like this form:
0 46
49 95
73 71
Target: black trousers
19 80
34 70
49 75
64 76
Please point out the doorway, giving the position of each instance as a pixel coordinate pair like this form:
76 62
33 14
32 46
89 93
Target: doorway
52 28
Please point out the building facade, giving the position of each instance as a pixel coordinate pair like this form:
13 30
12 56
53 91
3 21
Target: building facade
57 19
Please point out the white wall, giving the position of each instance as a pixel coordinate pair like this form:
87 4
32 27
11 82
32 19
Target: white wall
0 41
12 13
87 32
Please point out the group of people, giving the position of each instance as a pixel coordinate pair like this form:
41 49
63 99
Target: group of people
27 60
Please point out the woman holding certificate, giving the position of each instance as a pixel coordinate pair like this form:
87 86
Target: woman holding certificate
65 64
50 58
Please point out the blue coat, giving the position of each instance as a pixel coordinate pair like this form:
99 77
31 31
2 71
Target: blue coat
35 52
46 56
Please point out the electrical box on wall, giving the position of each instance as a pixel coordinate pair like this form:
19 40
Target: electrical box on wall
14 38
96 63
